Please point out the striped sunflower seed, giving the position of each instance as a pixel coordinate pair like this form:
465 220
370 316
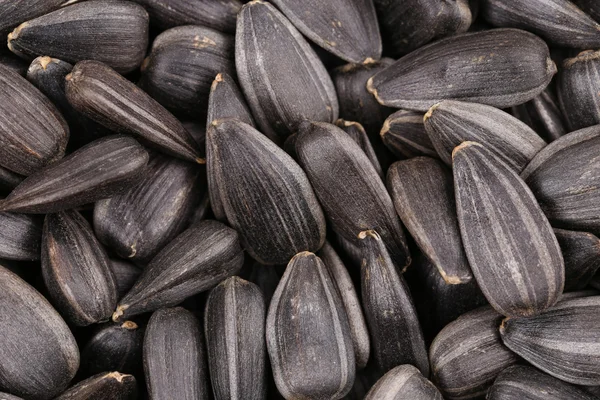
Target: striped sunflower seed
356 131
126 274
20 236
404 134
404 381
581 252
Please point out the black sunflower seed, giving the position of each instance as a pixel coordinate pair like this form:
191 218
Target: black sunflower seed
404 381
126 274
404 134
20 236
543 115
12 14
103 386
356 131
581 252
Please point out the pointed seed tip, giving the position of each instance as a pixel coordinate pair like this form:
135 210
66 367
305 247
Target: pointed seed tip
219 77
118 313
429 112
385 128
117 376
369 60
503 325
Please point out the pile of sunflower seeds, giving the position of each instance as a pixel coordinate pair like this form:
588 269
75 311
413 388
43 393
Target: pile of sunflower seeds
300 199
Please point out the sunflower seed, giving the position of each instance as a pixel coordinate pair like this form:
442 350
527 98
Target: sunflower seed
6 396
267 46
562 341
543 115
9 180
404 381
307 332
394 329
100 93
227 101
113 32
581 252
591 7
126 274
33 330
234 326
20 236
104 386
101 169
264 193
197 259
11 61
12 14
174 356
404 135
505 67
450 123
356 131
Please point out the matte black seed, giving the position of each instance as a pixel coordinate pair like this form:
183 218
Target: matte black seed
356 131
9 180
543 115
227 101
404 381
104 386
404 134
20 236
581 252
12 13
126 274
11 61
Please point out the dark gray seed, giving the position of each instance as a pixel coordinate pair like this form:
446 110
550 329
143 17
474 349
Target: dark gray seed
264 194
234 326
174 356
308 336
581 252
591 7
510 245
76 270
346 28
358 327
126 274
183 64
356 131
404 135
9 60
216 14
543 115
523 382
20 236
33 133
594 390
423 194
104 386
6 396
13 13
194 261
101 169
396 336
404 382
408 25
351 192
565 178
9 180
227 101
39 354
113 347
559 22
498 67
113 32
467 355
562 341
450 123
265 277
267 47
578 86
139 223
100 93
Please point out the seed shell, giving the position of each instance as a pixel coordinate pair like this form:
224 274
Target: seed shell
13 13
20 236
9 180
104 386
6 396
126 274
404 381
11 61
404 134
356 131
227 101
591 7
581 252
543 115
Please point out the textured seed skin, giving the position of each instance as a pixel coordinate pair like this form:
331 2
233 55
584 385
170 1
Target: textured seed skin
101 169
450 123
126 274
100 93
581 252
404 381
9 180
264 194
113 32
408 25
20 236
197 259
267 46
351 192
174 356
543 115
591 7
578 89
139 223
227 101
524 382
394 329
265 277
561 341
234 327
33 133
182 65
356 131
219 14
6 396
509 243
358 326
404 134
104 386
564 177
498 67
308 335
33 330
13 13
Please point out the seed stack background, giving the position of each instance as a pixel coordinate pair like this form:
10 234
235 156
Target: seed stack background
340 199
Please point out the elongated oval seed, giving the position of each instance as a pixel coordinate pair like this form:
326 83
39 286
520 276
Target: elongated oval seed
565 177
450 123
404 134
394 329
307 332
265 195
581 252
543 115
113 32
197 259
351 192
267 46
126 274
174 356
20 236
505 67
103 386
467 355
103 168
12 14
33 133
139 223
510 245
404 381
562 341
234 326
33 330
356 131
